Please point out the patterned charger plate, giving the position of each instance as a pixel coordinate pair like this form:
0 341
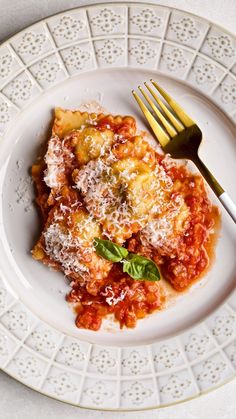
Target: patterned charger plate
113 47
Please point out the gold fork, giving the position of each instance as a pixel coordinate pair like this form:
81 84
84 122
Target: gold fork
179 136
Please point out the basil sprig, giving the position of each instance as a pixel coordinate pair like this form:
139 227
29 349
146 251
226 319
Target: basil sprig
138 267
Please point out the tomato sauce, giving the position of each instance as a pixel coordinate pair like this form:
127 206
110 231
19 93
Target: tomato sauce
127 299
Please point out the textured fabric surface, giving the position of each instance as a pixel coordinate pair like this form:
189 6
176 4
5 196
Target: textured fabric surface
18 401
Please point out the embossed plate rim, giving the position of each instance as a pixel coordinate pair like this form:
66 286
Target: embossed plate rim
154 375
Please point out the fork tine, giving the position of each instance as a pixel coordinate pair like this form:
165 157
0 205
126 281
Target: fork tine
178 126
184 118
171 131
161 135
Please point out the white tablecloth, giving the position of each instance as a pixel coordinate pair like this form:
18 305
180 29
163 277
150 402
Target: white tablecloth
16 400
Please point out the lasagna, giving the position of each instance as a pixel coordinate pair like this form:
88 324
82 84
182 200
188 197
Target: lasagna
100 178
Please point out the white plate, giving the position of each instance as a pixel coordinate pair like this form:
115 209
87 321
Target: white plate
100 53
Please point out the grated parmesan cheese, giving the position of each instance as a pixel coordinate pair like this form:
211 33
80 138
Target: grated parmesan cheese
54 161
72 246
121 192
55 158
60 246
164 230
111 300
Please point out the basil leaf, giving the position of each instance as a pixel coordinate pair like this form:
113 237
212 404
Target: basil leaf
109 250
139 267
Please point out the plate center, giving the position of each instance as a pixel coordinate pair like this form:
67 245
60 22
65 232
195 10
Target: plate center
44 290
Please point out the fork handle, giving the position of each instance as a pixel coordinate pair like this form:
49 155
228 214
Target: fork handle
217 188
229 205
